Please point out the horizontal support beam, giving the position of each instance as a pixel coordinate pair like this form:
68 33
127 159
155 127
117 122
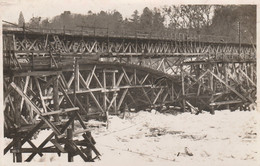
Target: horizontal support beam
75 133
31 150
36 73
61 111
226 102
28 51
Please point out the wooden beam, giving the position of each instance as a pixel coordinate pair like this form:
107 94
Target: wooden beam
88 81
35 108
145 93
56 97
61 111
158 94
28 136
122 99
76 71
126 76
229 87
40 147
247 77
40 94
91 94
225 102
36 73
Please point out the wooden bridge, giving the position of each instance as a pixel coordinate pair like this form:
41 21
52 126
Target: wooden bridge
58 79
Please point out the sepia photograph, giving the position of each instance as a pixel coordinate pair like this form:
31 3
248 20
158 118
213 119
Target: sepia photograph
120 82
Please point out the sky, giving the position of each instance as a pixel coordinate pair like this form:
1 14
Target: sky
10 9
50 8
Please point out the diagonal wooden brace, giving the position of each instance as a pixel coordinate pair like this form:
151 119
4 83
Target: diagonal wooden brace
35 108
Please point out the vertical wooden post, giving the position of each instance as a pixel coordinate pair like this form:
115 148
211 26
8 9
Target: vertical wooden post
69 137
135 76
211 80
172 92
105 96
87 100
17 137
226 74
115 93
76 70
183 88
212 110
252 72
56 97
76 84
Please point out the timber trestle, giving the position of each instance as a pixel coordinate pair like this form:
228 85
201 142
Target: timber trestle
59 81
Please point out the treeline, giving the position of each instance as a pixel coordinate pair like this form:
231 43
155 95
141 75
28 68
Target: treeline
193 19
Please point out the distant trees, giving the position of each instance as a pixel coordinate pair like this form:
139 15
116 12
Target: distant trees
190 17
195 19
158 21
21 20
146 20
35 22
226 18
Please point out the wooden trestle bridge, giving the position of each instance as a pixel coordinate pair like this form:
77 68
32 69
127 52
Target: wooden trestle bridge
57 80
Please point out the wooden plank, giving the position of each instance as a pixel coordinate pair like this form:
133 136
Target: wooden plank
115 93
99 83
144 79
183 89
53 60
120 79
88 81
55 97
28 52
70 80
17 121
57 145
24 91
112 102
36 73
225 102
40 94
61 111
126 76
158 94
75 133
34 147
122 99
76 71
31 150
189 104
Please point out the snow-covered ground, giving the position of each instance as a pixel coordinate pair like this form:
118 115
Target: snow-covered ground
144 138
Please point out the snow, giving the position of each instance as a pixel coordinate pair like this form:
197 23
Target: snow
153 138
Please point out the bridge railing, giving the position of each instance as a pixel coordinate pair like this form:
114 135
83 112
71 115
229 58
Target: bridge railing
94 31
